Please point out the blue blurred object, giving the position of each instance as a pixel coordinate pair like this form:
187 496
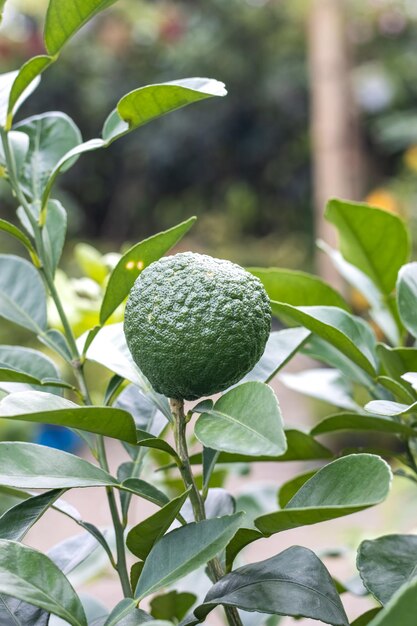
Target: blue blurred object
58 437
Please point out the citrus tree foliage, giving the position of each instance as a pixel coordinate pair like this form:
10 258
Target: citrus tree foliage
198 527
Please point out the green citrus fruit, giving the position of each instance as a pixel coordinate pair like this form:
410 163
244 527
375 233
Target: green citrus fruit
196 325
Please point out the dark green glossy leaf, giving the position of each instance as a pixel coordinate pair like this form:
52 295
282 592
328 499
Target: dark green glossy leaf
17 521
27 465
147 440
144 535
336 490
152 101
17 613
375 241
183 550
30 576
65 17
172 605
298 288
51 135
30 71
22 294
407 295
135 260
358 422
37 406
247 420
280 348
346 332
400 391
401 609
294 583
387 563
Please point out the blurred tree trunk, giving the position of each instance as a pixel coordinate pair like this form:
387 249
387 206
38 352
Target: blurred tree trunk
337 161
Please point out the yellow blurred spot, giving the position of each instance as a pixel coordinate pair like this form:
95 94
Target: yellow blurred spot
130 265
410 158
140 265
383 199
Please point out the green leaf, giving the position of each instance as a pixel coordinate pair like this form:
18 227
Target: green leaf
280 348
183 550
144 535
386 408
289 489
67 160
247 419
53 233
346 332
152 101
17 521
324 384
360 422
366 618
301 447
15 232
32 577
375 241
109 348
381 309
294 583
172 605
6 86
135 260
125 613
51 135
336 490
298 288
406 297
27 362
46 408
387 563
397 361
65 17
145 490
22 294
401 609
30 71
17 613
29 466
321 350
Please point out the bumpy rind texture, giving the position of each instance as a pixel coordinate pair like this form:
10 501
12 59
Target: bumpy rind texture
196 325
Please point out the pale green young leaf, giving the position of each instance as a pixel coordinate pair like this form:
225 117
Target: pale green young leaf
6 86
152 101
407 297
28 73
374 240
135 260
65 17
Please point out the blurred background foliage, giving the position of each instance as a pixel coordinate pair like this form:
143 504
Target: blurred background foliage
243 164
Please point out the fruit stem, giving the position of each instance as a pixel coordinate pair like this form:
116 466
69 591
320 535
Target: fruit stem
215 569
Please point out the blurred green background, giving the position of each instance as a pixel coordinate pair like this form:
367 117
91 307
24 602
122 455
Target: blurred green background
242 164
